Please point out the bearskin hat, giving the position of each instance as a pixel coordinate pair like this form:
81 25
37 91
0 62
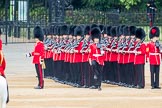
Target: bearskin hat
126 31
55 30
59 30
87 30
105 29
64 30
78 31
0 32
96 33
38 33
140 33
154 32
45 31
71 30
108 30
52 30
117 31
121 30
132 30
113 31
101 28
93 26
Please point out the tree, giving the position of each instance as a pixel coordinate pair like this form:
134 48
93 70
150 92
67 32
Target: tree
129 3
115 3
101 4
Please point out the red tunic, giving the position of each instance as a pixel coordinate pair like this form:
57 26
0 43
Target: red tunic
78 55
38 52
2 65
96 51
48 53
153 53
126 57
0 44
113 55
140 58
85 55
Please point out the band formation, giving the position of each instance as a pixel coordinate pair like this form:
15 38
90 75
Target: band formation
87 55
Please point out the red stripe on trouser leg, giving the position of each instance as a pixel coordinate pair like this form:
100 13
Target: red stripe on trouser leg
41 75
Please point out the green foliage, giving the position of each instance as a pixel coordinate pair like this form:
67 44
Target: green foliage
101 4
129 3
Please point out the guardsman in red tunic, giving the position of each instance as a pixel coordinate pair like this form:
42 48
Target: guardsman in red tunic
64 30
154 55
2 59
78 32
128 69
38 55
106 69
131 55
120 56
48 42
72 64
139 59
85 56
96 58
3 65
113 55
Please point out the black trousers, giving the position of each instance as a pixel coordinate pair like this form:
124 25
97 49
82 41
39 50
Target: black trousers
60 70
121 73
139 70
39 72
71 76
85 73
106 71
155 69
129 69
48 72
66 70
97 70
77 73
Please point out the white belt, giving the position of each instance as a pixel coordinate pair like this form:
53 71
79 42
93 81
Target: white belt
97 55
154 53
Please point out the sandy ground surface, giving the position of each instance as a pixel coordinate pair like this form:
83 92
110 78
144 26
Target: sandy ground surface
21 79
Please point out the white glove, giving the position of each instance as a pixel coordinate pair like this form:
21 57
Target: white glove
41 61
102 52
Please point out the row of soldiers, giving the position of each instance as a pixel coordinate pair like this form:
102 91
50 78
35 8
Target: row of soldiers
67 53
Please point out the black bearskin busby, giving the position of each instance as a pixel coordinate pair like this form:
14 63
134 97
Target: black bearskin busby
87 30
132 30
38 33
101 28
126 31
96 33
121 30
154 32
140 33
45 31
113 31
78 31
108 30
0 32
71 30
64 30
93 26
59 31
117 31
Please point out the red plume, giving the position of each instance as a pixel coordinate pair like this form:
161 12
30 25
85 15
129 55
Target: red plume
153 31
